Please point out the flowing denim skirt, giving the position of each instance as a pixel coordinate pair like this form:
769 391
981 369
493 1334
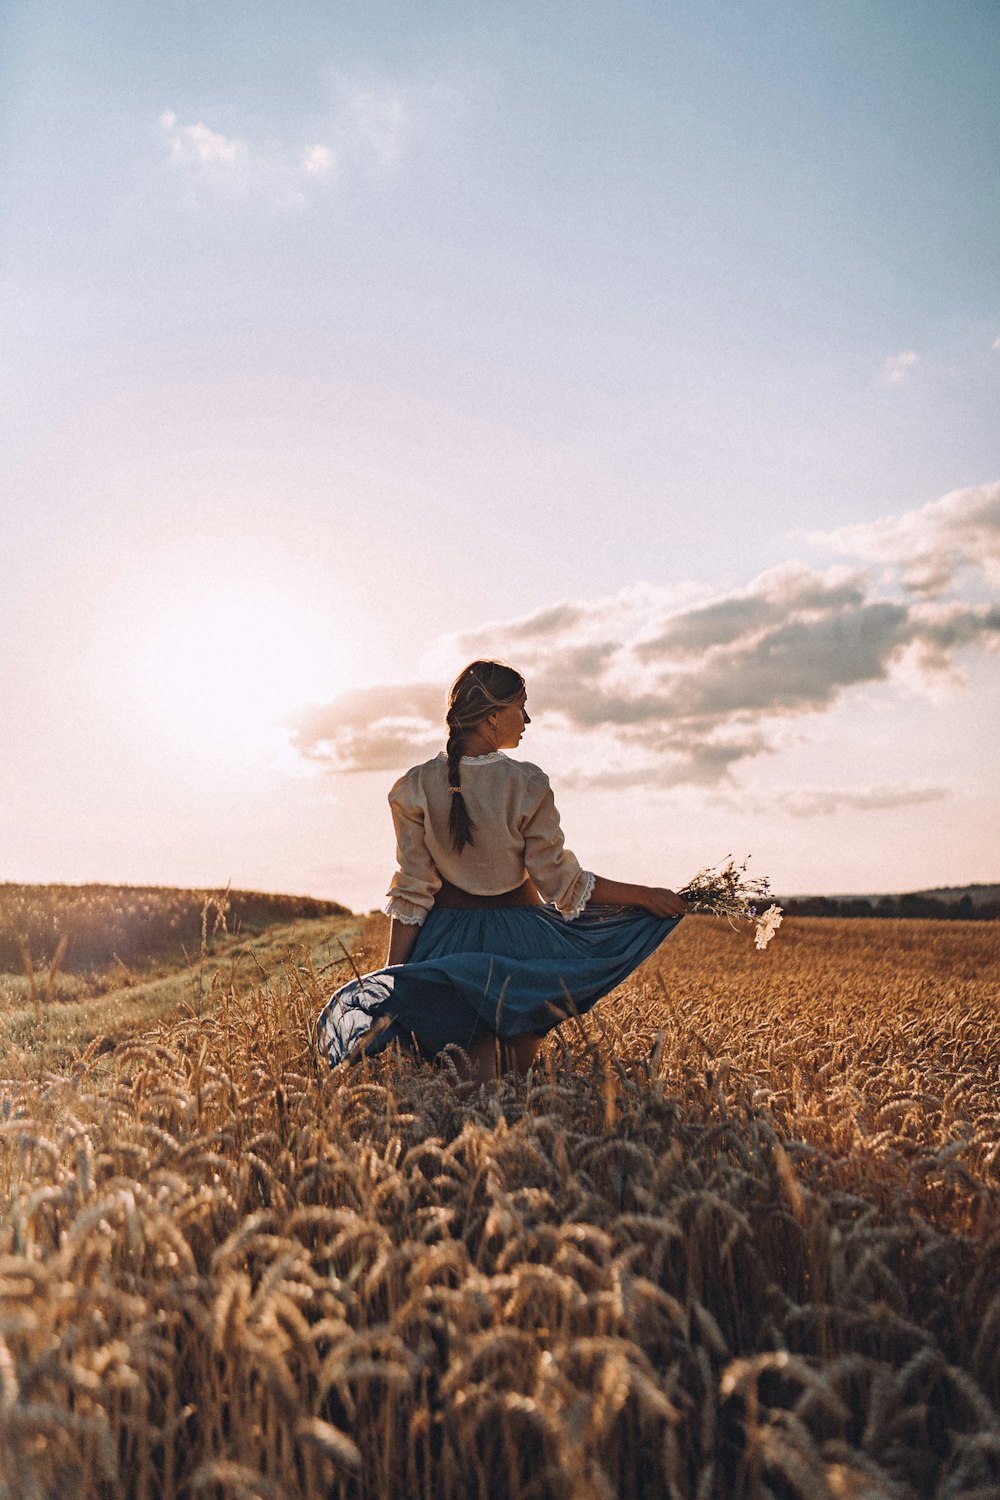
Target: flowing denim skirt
494 972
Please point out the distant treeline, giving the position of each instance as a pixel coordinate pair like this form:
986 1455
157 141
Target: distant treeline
95 925
916 904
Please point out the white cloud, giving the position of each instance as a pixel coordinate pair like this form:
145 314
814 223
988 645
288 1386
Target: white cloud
899 367
996 345
958 534
366 134
318 161
196 143
372 729
641 688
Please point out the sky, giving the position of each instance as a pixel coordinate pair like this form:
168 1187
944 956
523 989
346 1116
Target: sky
652 347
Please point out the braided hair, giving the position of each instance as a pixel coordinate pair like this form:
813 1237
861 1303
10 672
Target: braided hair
477 690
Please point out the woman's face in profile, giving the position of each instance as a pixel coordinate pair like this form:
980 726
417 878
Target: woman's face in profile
511 723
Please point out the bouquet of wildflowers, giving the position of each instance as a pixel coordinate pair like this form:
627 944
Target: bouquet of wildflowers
727 891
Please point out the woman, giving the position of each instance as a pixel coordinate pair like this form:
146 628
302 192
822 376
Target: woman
475 955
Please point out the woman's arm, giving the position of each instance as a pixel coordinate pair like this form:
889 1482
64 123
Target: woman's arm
411 891
652 898
402 937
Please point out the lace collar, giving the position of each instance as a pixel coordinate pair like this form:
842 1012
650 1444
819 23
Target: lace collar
477 760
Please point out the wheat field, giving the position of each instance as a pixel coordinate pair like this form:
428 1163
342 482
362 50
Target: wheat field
737 1235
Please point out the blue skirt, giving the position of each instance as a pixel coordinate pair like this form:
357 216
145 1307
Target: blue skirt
500 971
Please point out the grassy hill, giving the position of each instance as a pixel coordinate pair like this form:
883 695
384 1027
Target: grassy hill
93 927
87 967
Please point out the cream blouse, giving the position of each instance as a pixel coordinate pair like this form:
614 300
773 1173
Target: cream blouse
515 828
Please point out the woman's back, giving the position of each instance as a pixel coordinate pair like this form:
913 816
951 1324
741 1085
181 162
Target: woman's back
515 832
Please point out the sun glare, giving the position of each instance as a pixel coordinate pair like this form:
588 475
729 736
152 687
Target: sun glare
222 670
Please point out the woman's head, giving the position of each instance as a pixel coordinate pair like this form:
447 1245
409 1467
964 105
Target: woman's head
485 693
479 690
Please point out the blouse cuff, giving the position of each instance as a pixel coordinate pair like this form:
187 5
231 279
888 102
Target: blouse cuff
583 896
405 912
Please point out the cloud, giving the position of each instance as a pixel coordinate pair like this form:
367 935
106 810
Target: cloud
366 135
958 534
318 161
372 729
189 144
813 802
899 367
640 688
996 345
730 619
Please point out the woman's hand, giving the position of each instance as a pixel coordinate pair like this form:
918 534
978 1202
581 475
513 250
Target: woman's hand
661 902
402 939
655 899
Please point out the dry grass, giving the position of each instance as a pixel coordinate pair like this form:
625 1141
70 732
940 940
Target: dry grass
90 929
739 1238
47 1021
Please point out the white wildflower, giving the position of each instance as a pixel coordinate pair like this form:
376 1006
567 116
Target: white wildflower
767 926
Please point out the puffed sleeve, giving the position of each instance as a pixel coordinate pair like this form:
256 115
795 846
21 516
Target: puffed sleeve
555 869
412 889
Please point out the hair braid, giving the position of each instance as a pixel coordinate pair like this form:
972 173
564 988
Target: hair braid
459 822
